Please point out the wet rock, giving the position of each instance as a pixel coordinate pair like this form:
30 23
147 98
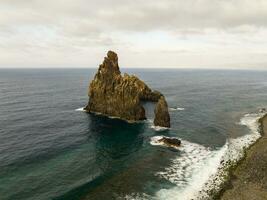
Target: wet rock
170 141
263 110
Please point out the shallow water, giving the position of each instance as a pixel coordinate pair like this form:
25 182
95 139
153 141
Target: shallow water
51 150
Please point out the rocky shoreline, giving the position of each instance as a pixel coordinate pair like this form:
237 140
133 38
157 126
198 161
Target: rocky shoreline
248 179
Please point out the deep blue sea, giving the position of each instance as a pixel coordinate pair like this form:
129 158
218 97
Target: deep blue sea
50 149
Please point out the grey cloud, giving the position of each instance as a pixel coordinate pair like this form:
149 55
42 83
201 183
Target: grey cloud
139 15
65 26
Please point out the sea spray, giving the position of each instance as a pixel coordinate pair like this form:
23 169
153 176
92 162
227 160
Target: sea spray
196 173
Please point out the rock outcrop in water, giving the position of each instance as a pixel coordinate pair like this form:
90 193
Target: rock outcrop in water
172 142
162 117
120 96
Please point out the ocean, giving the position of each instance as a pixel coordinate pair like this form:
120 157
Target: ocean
51 149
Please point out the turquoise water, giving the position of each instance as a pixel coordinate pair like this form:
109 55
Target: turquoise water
49 150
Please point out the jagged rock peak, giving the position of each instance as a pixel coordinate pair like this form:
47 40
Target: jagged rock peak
110 64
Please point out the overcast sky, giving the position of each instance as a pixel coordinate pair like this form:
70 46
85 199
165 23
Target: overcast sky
144 33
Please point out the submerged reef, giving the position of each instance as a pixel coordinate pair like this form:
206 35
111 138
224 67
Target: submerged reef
114 94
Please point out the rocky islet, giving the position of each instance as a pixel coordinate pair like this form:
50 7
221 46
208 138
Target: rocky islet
114 94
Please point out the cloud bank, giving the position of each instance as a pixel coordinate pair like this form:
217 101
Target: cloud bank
166 33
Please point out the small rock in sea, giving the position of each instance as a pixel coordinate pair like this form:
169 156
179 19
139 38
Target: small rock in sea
263 110
173 142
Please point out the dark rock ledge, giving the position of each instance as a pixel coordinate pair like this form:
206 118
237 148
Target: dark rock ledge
170 141
117 95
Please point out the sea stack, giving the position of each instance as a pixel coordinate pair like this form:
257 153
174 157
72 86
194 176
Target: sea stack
113 94
162 117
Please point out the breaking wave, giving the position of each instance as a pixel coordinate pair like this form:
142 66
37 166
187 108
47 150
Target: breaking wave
199 171
156 128
80 109
159 128
176 109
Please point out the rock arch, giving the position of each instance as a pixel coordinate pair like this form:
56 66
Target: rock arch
114 94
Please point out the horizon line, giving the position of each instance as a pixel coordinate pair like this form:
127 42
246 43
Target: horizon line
172 68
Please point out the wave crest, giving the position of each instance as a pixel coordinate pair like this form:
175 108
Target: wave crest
201 172
80 109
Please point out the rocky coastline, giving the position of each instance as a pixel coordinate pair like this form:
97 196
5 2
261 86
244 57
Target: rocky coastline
248 179
113 94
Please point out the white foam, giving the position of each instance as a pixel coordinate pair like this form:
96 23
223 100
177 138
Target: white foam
192 171
156 128
159 128
238 145
235 151
176 109
189 171
80 109
198 170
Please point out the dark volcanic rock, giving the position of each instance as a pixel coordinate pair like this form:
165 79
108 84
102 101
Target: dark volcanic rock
162 117
263 110
118 95
170 141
